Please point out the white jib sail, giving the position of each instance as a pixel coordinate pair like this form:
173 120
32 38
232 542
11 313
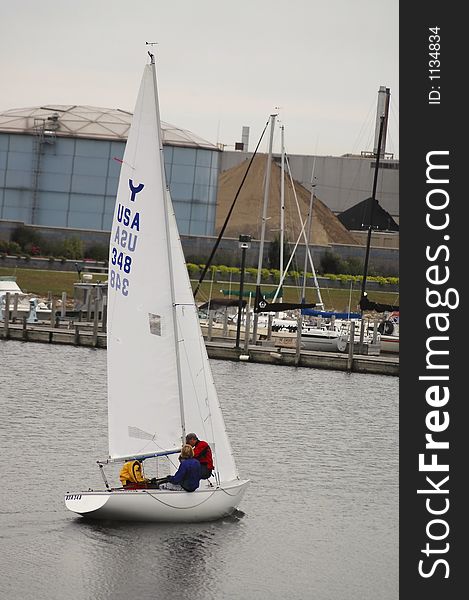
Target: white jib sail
202 410
146 381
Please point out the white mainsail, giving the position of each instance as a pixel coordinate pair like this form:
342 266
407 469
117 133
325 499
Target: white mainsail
160 384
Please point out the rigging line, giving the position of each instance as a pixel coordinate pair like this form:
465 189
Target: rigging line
308 253
209 384
366 132
222 231
301 234
290 260
228 493
206 383
193 376
178 507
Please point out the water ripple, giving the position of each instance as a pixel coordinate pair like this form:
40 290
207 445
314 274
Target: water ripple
319 520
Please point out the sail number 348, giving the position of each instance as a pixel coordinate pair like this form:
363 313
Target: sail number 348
118 283
124 263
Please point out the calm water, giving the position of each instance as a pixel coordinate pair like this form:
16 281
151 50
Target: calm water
319 521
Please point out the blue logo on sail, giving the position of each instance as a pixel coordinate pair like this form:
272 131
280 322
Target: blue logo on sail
124 241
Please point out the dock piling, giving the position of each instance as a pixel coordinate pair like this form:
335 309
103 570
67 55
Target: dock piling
25 329
52 312
247 327
14 315
63 308
6 316
299 327
95 322
350 346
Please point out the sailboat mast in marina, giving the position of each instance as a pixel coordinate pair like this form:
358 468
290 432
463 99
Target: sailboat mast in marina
160 384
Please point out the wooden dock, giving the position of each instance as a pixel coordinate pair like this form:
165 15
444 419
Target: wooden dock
92 335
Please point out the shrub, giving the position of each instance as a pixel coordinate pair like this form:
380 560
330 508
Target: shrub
25 236
354 266
224 270
331 263
97 252
192 268
273 253
275 275
14 248
380 280
73 248
227 258
32 249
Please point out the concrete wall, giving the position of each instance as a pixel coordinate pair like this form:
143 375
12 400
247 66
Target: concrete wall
198 248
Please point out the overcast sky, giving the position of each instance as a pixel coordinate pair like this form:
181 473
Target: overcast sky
221 65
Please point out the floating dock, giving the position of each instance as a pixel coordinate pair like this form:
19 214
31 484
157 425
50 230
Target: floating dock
91 335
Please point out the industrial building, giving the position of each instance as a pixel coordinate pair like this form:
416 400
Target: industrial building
342 182
59 170
59 167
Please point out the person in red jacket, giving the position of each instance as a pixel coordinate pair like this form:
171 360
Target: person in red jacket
203 453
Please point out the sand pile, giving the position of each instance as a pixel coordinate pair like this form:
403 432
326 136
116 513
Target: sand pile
246 216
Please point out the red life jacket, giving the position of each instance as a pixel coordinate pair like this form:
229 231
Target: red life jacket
203 453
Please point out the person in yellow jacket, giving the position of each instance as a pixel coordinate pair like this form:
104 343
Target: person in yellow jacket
131 475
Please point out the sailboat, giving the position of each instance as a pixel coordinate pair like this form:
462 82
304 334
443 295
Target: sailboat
160 385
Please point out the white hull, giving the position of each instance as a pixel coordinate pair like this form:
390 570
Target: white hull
390 343
41 315
205 504
324 342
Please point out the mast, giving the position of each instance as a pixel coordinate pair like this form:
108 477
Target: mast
373 201
307 239
264 220
315 279
282 202
168 245
384 95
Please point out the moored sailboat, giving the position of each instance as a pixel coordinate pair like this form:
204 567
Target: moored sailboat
159 380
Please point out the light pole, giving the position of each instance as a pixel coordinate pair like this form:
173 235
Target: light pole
244 243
